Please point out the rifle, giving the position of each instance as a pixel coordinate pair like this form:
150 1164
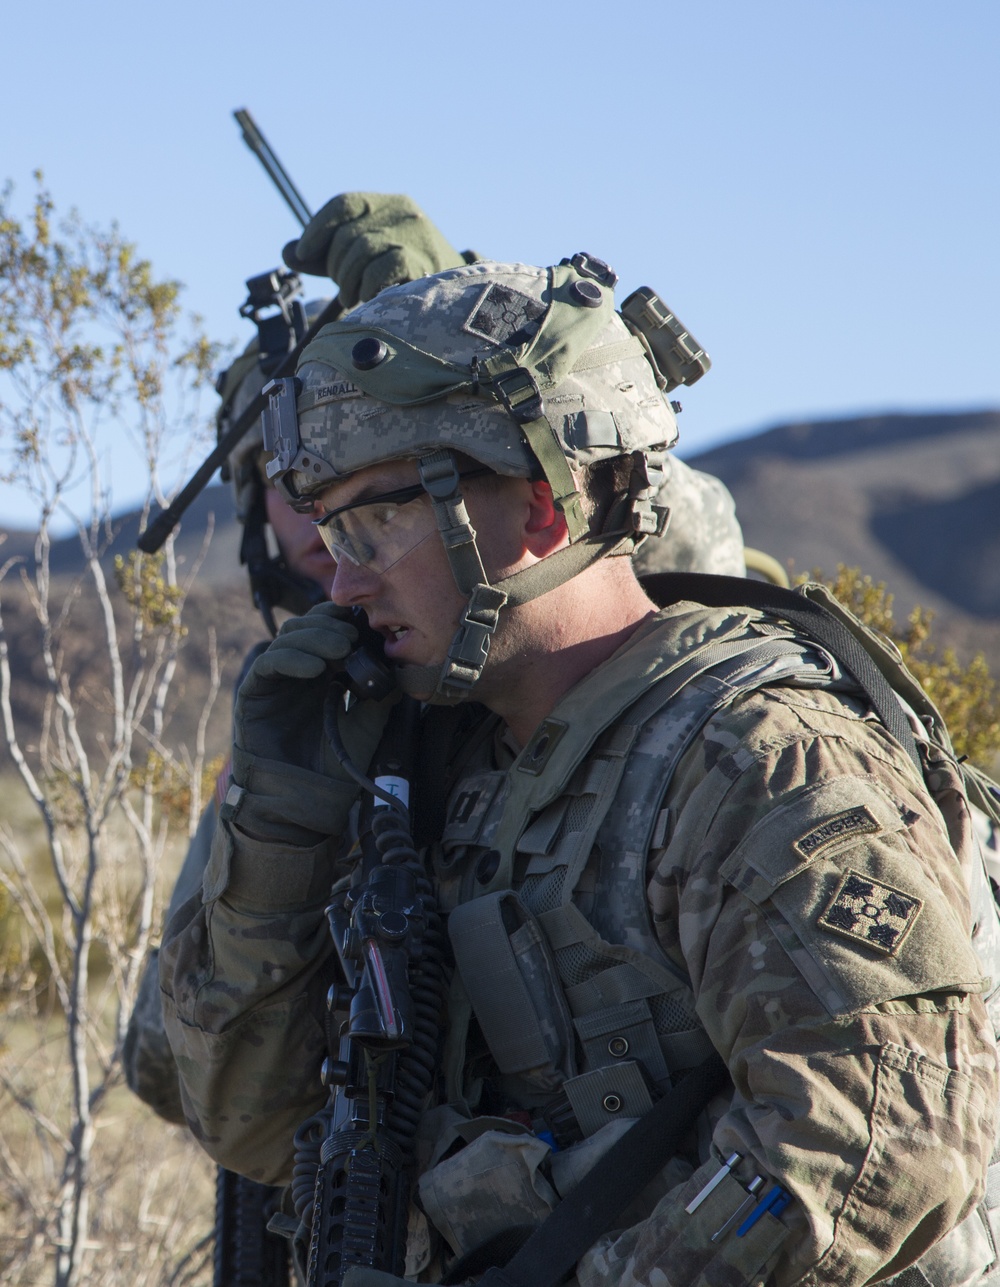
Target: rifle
247 1254
277 173
282 286
354 1158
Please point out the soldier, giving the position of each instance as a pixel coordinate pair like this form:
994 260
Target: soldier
364 242
380 240
289 569
693 812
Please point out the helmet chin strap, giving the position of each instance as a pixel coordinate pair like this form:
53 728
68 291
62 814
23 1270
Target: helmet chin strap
454 681
451 683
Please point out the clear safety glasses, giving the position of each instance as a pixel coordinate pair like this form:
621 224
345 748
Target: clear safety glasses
376 533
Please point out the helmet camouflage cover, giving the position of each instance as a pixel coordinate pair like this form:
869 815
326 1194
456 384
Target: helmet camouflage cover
436 359
528 371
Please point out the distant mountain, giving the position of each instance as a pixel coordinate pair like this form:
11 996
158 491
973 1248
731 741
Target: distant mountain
912 500
212 514
219 600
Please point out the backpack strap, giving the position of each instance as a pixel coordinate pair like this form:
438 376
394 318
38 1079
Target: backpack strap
807 616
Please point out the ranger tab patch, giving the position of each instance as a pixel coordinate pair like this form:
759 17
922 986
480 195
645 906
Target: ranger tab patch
871 913
504 316
849 823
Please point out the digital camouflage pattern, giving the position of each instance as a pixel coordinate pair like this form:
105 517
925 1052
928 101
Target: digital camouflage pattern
703 534
864 1081
424 395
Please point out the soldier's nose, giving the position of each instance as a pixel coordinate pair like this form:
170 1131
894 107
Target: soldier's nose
352 583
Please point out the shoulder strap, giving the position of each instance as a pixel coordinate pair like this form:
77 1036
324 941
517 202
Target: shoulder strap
805 615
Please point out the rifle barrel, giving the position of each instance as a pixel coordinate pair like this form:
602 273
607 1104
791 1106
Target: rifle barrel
259 145
163 523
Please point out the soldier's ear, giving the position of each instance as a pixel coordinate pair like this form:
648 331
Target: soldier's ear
544 525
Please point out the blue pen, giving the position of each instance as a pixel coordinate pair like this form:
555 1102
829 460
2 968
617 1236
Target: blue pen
775 1202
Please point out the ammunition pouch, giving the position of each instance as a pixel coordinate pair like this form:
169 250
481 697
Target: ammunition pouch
495 1182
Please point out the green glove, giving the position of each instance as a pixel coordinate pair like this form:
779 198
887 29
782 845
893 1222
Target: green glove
290 785
366 241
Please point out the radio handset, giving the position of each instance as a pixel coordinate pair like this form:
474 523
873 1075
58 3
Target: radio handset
366 673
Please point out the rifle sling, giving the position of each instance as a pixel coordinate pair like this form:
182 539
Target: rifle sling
550 1252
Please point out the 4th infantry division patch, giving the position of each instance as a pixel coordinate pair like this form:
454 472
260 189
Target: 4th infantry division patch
871 913
504 316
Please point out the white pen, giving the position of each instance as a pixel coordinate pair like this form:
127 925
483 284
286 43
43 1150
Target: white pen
713 1183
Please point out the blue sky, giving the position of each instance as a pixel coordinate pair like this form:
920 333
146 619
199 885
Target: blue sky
811 184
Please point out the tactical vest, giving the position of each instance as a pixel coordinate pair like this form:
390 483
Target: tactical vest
542 869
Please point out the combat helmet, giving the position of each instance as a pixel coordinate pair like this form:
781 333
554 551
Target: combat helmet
273 584
528 371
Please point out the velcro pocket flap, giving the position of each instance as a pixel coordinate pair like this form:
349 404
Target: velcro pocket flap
539 836
821 821
512 983
607 1094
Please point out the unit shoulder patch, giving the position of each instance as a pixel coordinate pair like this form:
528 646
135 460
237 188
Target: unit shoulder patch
858 821
871 913
504 316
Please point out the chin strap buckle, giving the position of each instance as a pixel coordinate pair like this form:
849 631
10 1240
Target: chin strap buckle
471 645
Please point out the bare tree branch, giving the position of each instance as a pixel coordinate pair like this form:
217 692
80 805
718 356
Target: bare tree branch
88 346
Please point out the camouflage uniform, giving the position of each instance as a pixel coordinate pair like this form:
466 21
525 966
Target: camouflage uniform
703 535
632 888
867 1086
147 1060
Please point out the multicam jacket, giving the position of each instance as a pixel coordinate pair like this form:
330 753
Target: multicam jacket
791 896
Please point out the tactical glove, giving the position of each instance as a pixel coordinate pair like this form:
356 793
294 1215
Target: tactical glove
366 241
290 786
